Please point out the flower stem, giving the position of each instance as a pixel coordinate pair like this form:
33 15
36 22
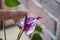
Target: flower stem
3 25
21 32
19 35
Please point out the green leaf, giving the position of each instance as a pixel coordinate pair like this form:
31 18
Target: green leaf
38 28
1 39
36 37
20 28
12 3
16 19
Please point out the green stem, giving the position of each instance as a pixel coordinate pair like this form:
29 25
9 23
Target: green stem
19 35
3 24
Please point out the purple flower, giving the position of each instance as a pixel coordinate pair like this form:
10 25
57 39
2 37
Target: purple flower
30 24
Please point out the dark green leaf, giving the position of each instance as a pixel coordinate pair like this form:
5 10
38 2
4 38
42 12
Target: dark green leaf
36 37
38 28
12 3
20 28
1 39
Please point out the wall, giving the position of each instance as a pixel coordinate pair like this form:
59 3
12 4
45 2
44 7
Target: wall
35 11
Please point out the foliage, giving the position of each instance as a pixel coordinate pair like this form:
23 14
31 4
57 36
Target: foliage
1 39
38 28
12 3
36 37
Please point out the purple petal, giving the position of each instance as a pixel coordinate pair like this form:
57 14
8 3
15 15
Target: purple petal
30 20
20 22
38 18
29 27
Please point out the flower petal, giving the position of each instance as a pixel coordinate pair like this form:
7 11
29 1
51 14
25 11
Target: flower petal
20 22
38 18
30 20
29 27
